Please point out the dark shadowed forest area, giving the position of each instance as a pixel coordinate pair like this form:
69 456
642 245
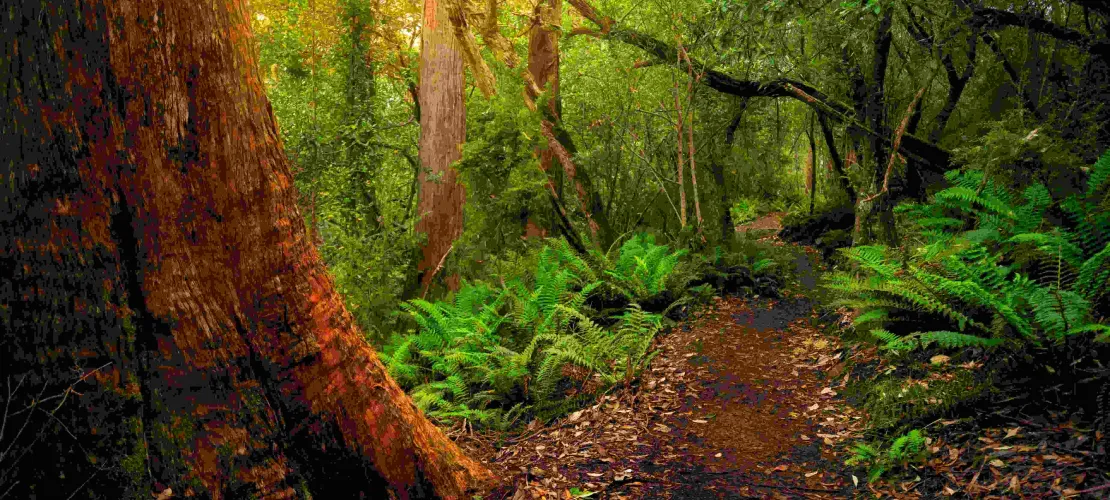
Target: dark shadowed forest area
548 249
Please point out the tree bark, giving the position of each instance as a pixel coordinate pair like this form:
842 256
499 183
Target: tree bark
811 168
838 166
166 325
543 69
680 157
690 134
442 134
543 66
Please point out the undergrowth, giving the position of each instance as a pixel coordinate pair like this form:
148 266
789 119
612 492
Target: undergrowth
532 345
989 268
1014 282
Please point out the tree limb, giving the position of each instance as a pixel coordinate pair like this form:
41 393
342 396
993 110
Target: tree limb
937 158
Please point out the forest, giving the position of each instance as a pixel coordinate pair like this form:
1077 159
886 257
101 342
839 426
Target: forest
548 249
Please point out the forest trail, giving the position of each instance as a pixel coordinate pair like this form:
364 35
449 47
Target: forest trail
740 402
772 221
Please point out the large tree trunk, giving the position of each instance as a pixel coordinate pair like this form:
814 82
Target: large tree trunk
442 133
166 324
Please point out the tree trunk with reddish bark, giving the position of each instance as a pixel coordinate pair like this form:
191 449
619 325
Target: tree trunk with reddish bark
166 324
442 134
543 69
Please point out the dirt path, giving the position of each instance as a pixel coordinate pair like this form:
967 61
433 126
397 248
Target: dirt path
740 402
771 221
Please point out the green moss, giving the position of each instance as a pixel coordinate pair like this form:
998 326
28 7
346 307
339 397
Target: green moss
134 464
894 402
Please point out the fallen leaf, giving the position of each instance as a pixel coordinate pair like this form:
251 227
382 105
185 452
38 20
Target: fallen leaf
939 359
998 463
1012 432
811 474
855 480
1015 484
696 421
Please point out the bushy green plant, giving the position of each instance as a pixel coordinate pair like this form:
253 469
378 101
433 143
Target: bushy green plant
906 449
530 345
643 268
744 211
989 268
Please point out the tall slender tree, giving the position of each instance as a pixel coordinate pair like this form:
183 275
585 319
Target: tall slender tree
442 134
166 325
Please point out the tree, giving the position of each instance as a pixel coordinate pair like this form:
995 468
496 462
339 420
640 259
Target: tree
166 325
543 69
442 133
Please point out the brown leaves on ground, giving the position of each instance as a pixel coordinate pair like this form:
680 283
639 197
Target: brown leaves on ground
743 401
738 403
771 221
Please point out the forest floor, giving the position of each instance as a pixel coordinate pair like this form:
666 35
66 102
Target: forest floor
739 403
744 400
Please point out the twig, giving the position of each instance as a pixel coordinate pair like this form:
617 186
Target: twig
436 270
1088 490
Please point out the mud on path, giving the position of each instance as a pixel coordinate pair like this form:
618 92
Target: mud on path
741 402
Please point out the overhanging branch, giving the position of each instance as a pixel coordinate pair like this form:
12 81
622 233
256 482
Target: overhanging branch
935 157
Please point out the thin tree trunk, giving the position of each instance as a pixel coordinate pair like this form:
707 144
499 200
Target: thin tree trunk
811 168
679 155
442 133
834 156
543 66
160 285
690 133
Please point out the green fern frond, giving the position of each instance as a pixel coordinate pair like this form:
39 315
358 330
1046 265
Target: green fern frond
954 340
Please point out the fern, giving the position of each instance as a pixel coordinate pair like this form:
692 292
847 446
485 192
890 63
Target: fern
1045 291
904 450
494 356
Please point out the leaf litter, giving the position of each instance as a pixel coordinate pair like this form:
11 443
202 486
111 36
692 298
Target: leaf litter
741 402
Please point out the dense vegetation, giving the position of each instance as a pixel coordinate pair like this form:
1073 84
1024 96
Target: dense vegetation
951 148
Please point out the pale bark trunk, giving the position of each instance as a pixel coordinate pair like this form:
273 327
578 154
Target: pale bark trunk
154 261
442 134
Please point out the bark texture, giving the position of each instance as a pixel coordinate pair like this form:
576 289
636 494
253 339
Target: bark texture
543 69
442 134
166 324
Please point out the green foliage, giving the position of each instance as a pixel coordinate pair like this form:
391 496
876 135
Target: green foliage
989 266
744 211
642 268
906 449
531 346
